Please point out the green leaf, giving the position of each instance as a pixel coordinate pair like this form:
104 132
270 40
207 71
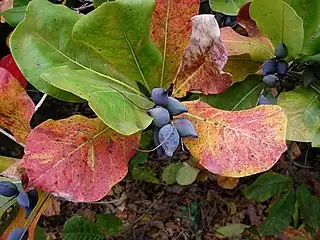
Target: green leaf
139 158
19 3
120 32
229 7
110 224
277 20
266 186
6 162
280 215
14 15
187 174
239 96
309 207
80 228
39 234
144 174
232 230
116 104
309 11
316 139
302 108
170 173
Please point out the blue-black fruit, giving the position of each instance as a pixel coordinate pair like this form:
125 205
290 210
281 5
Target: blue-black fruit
160 116
170 136
160 150
175 107
269 67
281 51
18 234
185 128
8 189
282 67
23 200
33 197
270 80
264 100
159 96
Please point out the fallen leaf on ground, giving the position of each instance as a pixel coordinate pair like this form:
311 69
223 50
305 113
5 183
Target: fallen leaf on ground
227 182
53 207
291 232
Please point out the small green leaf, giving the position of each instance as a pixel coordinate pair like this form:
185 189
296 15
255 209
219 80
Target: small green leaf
266 186
39 233
139 158
6 162
309 207
232 230
278 20
110 224
280 215
316 139
77 228
302 108
14 15
240 96
144 174
170 173
229 7
187 174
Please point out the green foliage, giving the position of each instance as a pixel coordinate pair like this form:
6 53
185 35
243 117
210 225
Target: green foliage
302 107
15 15
187 174
170 173
40 233
110 224
139 158
309 207
77 228
144 174
278 20
229 7
267 186
240 96
232 230
280 214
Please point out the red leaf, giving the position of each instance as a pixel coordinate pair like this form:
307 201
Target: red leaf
203 60
238 143
16 108
8 63
246 21
77 158
170 26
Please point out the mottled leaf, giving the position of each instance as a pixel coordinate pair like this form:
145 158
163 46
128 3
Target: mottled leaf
6 162
118 105
170 173
110 224
239 96
8 63
203 60
302 107
70 157
229 7
227 182
297 234
81 228
239 143
245 54
144 174
280 214
266 186
16 107
244 19
187 174
232 230
170 29
309 207
277 20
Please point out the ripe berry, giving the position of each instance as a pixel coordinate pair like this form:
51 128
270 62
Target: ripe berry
160 116
8 189
269 67
175 107
282 67
159 96
270 80
281 51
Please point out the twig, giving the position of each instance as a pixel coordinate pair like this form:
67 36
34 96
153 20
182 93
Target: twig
40 102
83 7
11 137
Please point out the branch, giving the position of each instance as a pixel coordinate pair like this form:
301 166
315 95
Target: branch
11 137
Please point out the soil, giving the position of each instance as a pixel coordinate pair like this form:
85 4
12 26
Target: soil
155 211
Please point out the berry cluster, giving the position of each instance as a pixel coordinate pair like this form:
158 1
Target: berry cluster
27 200
168 131
273 69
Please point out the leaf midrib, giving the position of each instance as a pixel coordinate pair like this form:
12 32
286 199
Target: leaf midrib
86 68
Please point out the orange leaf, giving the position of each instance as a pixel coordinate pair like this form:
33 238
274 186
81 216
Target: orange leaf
246 21
77 158
53 207
8 63
170 26
227 182
203 60
20 219
16 107
245 54
291 232
238 143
